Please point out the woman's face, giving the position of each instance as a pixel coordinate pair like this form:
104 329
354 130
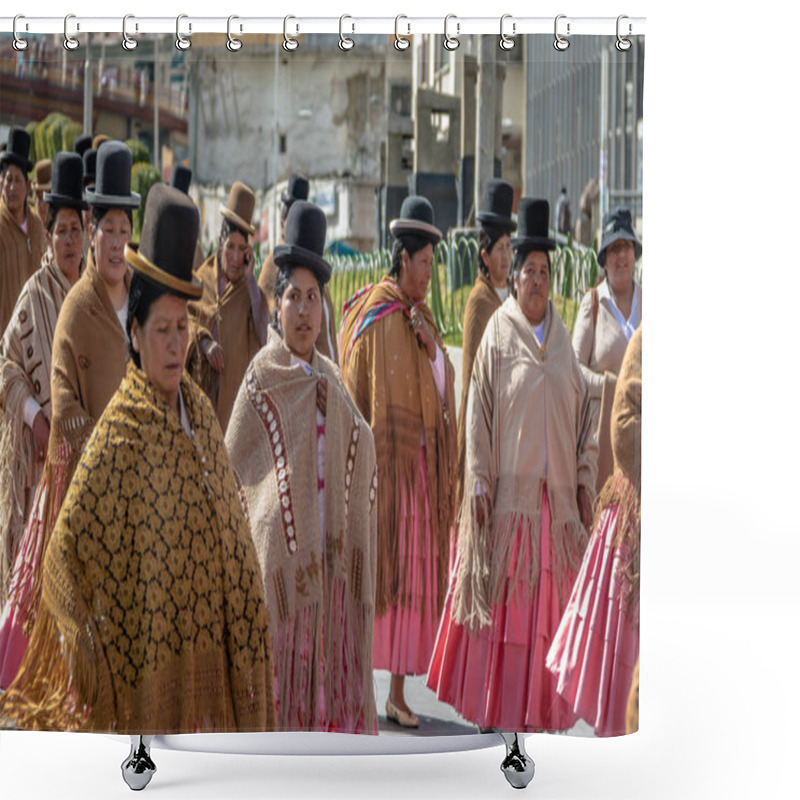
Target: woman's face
162 343
619 265
300 312
532 286
498 262
415 273
109 238
67 242
14 186
234 250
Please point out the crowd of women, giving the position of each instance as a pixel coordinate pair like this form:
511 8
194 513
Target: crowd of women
218 514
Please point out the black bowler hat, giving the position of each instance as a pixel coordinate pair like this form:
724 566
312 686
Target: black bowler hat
534 225
67 182
617 224
165 253
181 178
304 242
89 167
499 201
416 216
296 190
112 187
82 144
18 150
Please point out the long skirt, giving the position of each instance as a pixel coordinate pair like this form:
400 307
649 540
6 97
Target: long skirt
597 644
497 677
405 633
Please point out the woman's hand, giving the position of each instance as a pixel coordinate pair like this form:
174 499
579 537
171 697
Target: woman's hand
249 261
322 395
213 352
585 507
424 335
41 436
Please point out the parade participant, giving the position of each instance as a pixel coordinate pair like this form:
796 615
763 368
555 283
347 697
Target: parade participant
182 179
90 351
596 648
305 458
25 359
529 484
42 176
228 325
89 178
607 318
82 143
152 617
490 290
395 367
22 242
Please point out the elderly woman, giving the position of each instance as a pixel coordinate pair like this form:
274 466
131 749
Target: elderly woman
90 350
228 324
305 458
395 367
608 316
529 485
596 648
152 618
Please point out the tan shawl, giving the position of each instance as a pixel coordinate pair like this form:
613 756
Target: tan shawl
321 602
230 319
482 302
389 376
20 256
25 357
152 617
523 394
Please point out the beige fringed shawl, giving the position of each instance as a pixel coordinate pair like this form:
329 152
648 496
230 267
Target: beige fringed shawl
521 396
25 356
390 378
321 602
152 618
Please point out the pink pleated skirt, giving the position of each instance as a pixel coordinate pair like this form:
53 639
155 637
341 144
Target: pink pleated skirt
497 678
597 644
405 634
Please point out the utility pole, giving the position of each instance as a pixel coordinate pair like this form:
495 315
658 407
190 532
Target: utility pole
156 125
487 123
87 87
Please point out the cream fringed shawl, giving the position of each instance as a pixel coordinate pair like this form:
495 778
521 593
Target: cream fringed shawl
321 601
152 618
521 398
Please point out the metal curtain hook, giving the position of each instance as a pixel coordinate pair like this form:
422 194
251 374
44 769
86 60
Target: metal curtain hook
451 42
400 42
623 45
70 42
181 42
19 43
128 42
289 42
561 43
507 42
345 42
233 44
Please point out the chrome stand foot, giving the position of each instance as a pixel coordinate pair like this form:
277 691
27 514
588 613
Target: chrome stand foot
138 768
517 766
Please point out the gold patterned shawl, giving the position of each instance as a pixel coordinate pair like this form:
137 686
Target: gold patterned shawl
389 376
152 618
321 602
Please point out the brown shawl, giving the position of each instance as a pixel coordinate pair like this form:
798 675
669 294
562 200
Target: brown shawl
20 256
523 393
152 617
321 602
389 376
234 318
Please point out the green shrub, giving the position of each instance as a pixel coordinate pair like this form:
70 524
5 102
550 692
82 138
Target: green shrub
143 176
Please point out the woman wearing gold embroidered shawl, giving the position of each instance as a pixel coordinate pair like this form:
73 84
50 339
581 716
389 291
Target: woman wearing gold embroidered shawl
152 617
395 367
306 461
530 471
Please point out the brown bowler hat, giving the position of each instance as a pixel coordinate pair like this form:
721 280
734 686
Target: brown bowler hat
241 204
42 175
98 140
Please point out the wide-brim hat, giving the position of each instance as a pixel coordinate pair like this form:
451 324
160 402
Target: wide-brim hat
166 249
304 241
112 188
499 203
617 224
82 143
534 225
181 178
67 185
42 175
18 150
89 167
416 217
241 204
297 189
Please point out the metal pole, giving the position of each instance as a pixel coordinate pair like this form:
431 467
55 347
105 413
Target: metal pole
275 232
603 133
87 87
156 126
485 129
